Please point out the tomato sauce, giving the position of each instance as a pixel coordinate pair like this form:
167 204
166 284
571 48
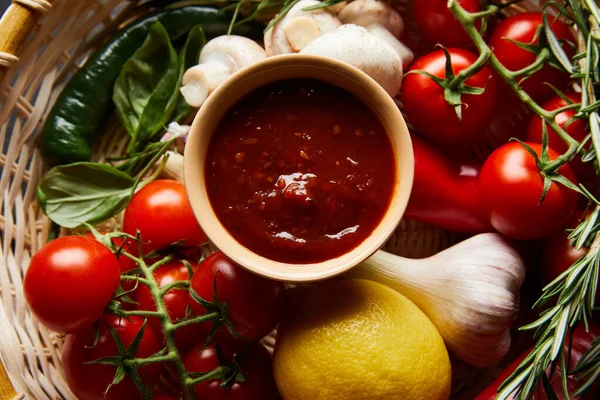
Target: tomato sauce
300 171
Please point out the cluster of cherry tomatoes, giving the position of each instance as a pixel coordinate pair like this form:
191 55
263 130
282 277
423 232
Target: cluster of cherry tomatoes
510 185
71 280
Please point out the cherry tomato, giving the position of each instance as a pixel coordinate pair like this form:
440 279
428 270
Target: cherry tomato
69 282
90 381
559 253
425 107
256 365
511 188
577 129
523 28
162 213
176 301
253 302
437 23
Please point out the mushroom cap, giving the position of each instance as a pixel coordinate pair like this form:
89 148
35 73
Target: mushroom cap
298 28
233 51
354 45
369 12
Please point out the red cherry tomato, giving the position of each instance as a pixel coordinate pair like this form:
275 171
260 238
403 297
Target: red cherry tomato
256 365
162 213
437 23
90 381
176 301
69 282
559 253
577 129
253 302
425 107
511 188
523 28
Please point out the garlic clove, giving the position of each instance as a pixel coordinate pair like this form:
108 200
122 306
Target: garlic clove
301 32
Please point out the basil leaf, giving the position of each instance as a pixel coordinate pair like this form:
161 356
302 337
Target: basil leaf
147 88
188 57
84 192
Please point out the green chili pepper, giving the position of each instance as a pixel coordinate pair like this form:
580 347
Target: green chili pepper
74 123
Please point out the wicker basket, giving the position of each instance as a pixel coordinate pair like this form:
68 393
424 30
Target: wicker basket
51 41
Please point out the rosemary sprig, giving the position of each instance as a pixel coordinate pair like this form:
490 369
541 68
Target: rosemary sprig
573 291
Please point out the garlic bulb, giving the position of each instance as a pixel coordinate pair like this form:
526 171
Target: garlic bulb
469 291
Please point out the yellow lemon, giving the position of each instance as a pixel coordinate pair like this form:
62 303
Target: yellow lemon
358 340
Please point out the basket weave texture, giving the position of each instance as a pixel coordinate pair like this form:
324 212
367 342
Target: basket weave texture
52 39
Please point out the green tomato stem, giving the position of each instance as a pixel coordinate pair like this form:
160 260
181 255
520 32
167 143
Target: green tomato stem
141 313
213 374
195 320
174 285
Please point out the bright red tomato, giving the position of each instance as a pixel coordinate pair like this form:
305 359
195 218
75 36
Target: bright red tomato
577 129
69 282
176 301
438 24
523 28
559 253
425 107
511 187
162 213
256 365
253 302
90 381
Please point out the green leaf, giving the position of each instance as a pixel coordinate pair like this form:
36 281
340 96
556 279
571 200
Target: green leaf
146 90
188 57
84 192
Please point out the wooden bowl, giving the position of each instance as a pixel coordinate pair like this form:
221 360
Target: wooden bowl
288 67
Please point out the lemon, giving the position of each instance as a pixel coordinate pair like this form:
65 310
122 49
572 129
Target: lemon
358 340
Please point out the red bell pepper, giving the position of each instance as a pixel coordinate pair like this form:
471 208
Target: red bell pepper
445 191
581 343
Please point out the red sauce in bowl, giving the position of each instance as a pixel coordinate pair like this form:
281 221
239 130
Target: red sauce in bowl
300 171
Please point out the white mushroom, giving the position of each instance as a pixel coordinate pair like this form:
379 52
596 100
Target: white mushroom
298 28
354 45
219 59
381 20
336 8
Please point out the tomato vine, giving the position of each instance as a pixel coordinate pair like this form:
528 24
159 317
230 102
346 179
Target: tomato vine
144 275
